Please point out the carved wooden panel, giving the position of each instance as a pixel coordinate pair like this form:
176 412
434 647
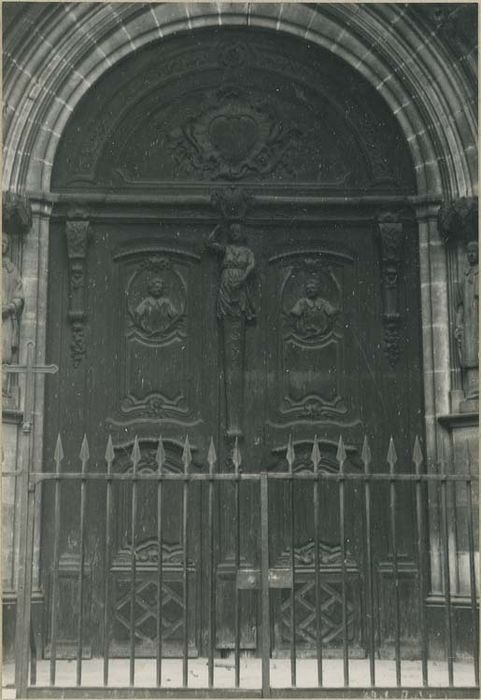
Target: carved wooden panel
309 381
155 361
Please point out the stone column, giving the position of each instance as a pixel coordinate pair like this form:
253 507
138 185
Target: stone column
436 364
458 226
30 254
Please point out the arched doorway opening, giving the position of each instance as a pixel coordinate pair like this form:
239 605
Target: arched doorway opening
156 334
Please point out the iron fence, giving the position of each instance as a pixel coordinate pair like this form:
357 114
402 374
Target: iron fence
264 578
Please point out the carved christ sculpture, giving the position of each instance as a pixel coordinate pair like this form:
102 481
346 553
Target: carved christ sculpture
467 326
234 309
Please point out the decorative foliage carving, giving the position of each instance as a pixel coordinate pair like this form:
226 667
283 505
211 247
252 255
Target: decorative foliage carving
458 220
147 552
77 233
233 136
304 555
391 236
16 213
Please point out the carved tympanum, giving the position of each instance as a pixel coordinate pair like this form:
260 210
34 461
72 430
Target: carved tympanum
77 234
391 235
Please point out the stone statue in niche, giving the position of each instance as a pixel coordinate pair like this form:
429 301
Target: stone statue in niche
467 327
13 301
156 312
312 315
234 308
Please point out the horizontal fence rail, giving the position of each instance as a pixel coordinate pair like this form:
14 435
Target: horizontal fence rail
258 573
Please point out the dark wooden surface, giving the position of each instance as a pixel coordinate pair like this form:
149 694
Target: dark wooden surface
232 112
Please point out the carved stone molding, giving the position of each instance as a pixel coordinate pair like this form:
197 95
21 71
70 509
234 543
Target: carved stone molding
16 213
458 220
391 237
77 234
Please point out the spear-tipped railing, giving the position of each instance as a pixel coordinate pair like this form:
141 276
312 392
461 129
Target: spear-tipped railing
349 473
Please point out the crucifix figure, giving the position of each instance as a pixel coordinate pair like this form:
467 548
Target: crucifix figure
30 370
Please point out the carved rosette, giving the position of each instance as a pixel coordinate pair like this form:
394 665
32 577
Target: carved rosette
391 236
77 235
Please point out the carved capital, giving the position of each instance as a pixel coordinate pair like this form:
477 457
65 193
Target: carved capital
232 202
458 220
16 213
77 235
391 238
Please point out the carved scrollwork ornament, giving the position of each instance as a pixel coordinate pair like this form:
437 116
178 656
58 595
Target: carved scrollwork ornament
391 238
77 235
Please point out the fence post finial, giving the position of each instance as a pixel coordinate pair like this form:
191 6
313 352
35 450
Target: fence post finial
341 453
84 452
186 454
236 456
366 454
211 455
391 455
160 454
58 454
290 453
135 456
417 455
315 454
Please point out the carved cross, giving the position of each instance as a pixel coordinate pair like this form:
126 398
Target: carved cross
30 370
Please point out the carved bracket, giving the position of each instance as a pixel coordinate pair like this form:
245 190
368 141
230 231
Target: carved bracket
391 236
16 213
458 220
77 233
232 202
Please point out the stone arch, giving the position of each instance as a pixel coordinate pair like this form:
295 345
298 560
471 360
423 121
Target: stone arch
382 44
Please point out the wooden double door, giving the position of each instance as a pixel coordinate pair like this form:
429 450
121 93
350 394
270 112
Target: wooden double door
178 341
298 316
